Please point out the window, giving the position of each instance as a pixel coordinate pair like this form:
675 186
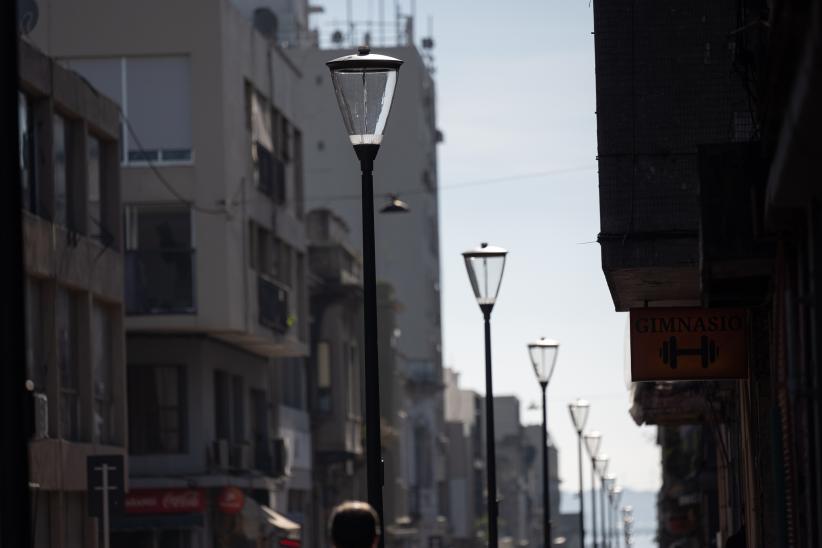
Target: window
299 195
102 344
259 122
293 382
155 96
61 200
272 259
28 152
95 193
36 311
159 260
156 409
351 360
66 322
259 429
229 410
323 377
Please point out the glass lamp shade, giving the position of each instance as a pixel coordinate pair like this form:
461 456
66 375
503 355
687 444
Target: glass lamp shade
543 357
592 442
485 266
601 463
364 85
579 413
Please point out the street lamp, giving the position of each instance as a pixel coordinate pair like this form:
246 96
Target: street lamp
364 85
485 266
579 416
601 465
592 442
608 484
615 494
543 355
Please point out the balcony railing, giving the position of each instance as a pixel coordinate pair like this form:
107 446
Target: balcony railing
272 302
160 282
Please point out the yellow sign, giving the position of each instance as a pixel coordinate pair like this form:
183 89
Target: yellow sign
669 344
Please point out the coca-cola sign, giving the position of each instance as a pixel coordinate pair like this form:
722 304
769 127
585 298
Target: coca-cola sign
165 501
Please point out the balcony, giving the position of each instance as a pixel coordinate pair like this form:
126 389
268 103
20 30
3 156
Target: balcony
160 282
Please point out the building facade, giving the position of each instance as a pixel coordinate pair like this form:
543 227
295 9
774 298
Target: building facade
708 198
74 291
216 267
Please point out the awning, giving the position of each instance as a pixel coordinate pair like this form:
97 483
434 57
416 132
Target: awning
260 520
280 522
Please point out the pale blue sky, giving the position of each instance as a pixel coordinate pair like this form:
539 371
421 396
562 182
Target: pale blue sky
516 95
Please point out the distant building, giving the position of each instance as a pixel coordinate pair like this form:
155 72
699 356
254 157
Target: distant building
73 244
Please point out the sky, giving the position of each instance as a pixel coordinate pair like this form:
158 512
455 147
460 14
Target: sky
516 96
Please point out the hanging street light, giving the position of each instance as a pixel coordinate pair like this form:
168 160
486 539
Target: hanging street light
579 416
601 465
543 355
395 205
593 440
364 84
485 266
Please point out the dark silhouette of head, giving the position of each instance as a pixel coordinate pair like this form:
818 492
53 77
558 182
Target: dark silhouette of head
354 524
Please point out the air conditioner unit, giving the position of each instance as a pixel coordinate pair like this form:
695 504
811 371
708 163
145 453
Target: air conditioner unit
219 454
41 416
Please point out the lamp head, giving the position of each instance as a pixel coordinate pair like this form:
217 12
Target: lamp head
579 413
364 84
543 355
485 265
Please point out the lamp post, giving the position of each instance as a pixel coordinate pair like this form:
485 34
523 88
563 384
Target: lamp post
485 266
592 442
608 484
616 495
601 466
364 84
543 355
579 416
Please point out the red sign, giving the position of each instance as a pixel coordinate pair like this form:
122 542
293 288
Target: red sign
165 501
231 500
290 543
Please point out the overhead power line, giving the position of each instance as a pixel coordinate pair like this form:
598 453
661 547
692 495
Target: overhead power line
464 184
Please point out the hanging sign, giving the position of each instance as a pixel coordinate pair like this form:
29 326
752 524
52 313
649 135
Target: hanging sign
165 501
669 344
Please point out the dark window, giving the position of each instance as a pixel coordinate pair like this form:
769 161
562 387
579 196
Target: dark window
36 312
259 430
299 195
159 260
324 393
102 347
229 410
28 152
293 382
272 302
61 175
156 409
66 311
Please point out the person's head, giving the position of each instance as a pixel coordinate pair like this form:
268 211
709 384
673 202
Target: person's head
354 524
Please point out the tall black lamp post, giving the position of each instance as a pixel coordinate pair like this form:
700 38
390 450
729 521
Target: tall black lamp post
579 416
364 84
485 266
592 442
543 355
601 467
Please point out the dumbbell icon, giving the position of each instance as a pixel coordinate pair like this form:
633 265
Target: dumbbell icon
670 352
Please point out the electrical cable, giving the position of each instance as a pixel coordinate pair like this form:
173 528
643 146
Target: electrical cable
464 184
